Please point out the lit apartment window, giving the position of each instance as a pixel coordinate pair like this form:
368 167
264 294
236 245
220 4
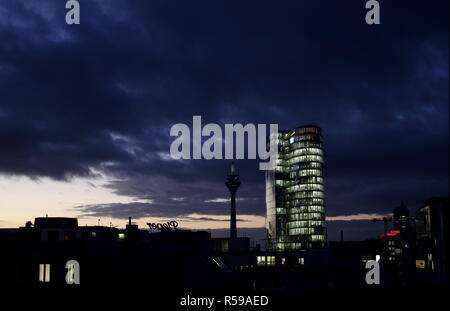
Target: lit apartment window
301 260
261 260
44 273
420 264
283 260
271 260
224 246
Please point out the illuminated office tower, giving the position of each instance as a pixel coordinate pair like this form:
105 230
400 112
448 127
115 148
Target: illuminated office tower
295 205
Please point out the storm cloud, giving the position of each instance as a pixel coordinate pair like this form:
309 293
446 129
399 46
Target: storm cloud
100 97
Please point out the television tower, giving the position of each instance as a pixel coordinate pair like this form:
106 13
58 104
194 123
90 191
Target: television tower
233 182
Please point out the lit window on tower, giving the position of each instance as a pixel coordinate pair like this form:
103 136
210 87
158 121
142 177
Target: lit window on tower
295 192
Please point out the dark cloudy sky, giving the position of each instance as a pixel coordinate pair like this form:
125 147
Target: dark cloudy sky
85 110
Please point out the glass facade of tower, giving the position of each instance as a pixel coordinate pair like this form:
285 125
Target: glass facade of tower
295 205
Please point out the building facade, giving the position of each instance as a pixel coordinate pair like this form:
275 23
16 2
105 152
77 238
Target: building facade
401 218
47 254
399 241
295 206
432 238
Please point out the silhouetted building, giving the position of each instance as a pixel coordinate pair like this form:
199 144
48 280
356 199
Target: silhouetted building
231 245
432 238
401 218
395 247
170 260
399 241
176 261
295 217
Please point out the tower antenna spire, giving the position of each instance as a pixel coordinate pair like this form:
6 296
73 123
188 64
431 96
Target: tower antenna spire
233 182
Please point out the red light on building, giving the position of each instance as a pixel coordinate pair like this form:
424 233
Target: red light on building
66 237
392 233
